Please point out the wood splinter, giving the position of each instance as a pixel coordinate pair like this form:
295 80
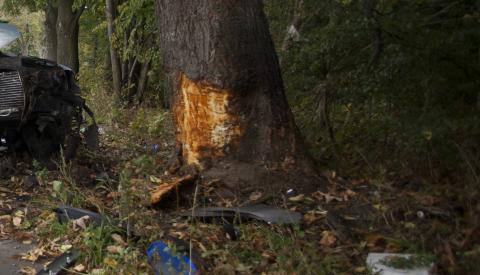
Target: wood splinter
163 189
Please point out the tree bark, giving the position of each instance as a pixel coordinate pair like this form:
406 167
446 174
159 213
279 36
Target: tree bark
115 60
143 81
67 34
231 115
50 25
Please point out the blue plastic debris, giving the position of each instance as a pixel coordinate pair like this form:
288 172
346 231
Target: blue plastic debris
152 148
166 262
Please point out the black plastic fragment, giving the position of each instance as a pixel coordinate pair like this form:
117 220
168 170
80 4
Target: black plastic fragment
67 213
261 212
61 263
232 232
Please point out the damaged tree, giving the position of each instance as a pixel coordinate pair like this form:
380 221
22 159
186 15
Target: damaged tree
231 115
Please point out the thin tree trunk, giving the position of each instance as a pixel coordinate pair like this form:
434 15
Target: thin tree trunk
67 34
125 63
50 25
142 82
115 60
230 111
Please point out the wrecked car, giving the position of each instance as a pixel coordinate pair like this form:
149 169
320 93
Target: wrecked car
41 109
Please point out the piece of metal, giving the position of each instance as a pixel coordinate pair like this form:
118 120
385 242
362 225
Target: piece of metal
12 97
8 34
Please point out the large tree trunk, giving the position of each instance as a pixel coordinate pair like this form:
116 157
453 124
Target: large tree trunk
50 25
115 60
67 34
231 115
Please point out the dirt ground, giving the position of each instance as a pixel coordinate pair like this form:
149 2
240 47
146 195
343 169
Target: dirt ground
339 228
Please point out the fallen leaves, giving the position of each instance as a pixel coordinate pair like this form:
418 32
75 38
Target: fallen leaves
255 196
115 249
297 198
79 268
27 270
118 239
34 254
17 221
328 238
313 215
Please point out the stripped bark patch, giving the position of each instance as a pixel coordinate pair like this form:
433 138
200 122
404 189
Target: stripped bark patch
206 127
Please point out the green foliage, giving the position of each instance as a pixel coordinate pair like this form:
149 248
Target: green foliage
137 18
29 24
413 110
135 39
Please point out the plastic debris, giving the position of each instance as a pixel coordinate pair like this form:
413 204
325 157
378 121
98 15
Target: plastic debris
67 213
165 261
261 212
61 263
383 264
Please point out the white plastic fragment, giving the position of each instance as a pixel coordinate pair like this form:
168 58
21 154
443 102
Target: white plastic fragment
374 262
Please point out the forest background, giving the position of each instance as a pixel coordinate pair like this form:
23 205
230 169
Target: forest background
386 91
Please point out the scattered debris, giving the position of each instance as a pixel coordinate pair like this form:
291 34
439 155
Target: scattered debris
164 188
399 264
67 213
261 212
61 263
165 261
41 107
232 232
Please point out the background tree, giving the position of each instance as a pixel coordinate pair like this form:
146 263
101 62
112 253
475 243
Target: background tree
50 25
67 33
414 109
111 10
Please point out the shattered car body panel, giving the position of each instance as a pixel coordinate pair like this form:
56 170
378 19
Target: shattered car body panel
41 109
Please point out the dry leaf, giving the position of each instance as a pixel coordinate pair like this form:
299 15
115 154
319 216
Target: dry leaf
81 222
154 179
118 239
312 216
115 249
110 262
65 247
5 217
27 270
328 238
255 196
297 198
79 268
17 221
33 255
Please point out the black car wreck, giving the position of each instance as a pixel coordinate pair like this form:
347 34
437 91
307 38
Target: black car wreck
41 109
